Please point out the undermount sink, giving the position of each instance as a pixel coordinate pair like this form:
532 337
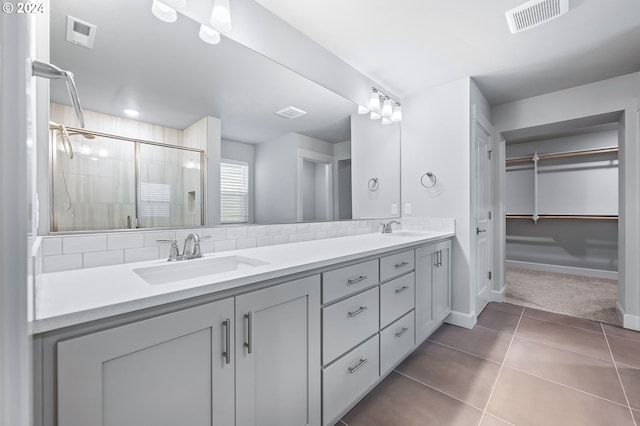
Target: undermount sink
407 234
188 269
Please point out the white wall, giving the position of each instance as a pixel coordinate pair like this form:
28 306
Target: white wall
616 94
375 152
242 152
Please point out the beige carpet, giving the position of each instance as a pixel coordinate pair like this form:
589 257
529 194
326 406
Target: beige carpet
577 296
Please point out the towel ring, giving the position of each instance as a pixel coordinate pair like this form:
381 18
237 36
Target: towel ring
373 184
432 177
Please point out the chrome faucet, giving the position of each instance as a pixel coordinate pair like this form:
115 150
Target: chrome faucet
386 227
191 249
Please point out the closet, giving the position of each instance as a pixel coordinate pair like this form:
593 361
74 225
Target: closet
561 209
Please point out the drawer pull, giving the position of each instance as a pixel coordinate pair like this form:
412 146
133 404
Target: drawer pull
401 332
357 280
360 364
401 265
358 312
248 343
227 353
401 289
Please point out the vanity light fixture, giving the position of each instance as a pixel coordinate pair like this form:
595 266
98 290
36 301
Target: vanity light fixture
221 16
163 12
209 35
131 112
390 112
176 4
362 110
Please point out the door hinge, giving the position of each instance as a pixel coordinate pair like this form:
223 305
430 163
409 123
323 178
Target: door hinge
489 214
489 154
489 275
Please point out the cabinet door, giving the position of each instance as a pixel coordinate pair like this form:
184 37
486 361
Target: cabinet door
167 370
442 281
278 355
424 265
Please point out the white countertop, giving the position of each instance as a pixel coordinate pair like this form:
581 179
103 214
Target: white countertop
74 297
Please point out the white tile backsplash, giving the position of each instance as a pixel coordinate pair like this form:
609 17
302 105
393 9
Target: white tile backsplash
61 253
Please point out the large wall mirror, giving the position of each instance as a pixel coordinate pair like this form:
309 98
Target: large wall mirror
211 115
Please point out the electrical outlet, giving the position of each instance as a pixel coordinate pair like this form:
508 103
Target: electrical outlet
407 208
394 208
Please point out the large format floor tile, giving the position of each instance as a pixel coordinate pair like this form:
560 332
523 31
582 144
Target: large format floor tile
563 319
489 420
579 371
523 400
625 351
631 380
499 319
612 330
463 376
480 341
562 336
401 401
636 414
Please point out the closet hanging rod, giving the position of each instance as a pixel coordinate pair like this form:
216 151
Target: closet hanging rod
529 158
73 131
572 217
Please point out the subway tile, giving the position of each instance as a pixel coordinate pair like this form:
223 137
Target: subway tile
151 238
103 258
140 254
466 377
125 241
321 235
398 400
273 230
236 232
303 227
84 243
244 243
281 239
308 236
289 229
294 238
51 246
217 234
63 262
207 246
181 234
256 231
578 371
264 241
523 399
479 341
315 227
225 245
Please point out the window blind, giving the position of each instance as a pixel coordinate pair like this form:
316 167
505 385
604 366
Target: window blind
234 191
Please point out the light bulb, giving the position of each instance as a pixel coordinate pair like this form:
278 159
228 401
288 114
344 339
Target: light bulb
386 120
374 115
209 35
163 12
221 16
387 108
374 101
397 113
362 110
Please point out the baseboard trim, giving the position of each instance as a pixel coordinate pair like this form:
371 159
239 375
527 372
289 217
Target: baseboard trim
498 295
461 319
632 322
585 272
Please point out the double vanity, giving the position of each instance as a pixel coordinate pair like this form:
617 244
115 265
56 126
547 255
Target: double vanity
293 334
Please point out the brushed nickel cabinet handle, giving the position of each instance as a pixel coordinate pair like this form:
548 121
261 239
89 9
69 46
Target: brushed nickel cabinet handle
247 344
358 312
401 265
357 280
401 289
227 352
401 332
360 364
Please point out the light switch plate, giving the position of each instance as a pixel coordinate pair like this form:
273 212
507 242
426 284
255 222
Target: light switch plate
394 208
407 208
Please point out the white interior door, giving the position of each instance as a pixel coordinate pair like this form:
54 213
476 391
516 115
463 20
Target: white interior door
482 188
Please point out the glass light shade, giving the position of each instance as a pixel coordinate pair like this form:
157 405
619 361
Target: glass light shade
397 113
386 120
387 108
374 101
209 35
221 16
163 12
362 110
374 115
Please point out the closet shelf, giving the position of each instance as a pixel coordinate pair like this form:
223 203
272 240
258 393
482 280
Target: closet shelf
550 156
571 217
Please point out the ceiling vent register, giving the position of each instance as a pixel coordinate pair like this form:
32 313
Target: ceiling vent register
534 13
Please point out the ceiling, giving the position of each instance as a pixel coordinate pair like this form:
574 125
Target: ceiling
412 45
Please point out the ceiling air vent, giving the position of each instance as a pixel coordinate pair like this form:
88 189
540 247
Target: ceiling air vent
80 32
534 13
291 112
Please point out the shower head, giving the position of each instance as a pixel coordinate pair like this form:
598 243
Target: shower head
42 69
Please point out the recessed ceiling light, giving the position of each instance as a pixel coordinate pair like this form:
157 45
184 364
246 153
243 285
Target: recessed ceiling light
291 112
131 112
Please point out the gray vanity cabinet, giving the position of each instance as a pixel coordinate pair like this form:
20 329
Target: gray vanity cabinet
433 287
166 370
278 355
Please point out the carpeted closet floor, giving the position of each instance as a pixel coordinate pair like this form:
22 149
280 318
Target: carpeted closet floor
573 295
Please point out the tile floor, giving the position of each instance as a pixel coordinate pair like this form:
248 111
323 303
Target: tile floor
517 366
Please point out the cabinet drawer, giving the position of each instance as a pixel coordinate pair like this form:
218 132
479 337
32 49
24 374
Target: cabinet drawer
396 264
349 377
397 297
344 281
396 341
347 323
